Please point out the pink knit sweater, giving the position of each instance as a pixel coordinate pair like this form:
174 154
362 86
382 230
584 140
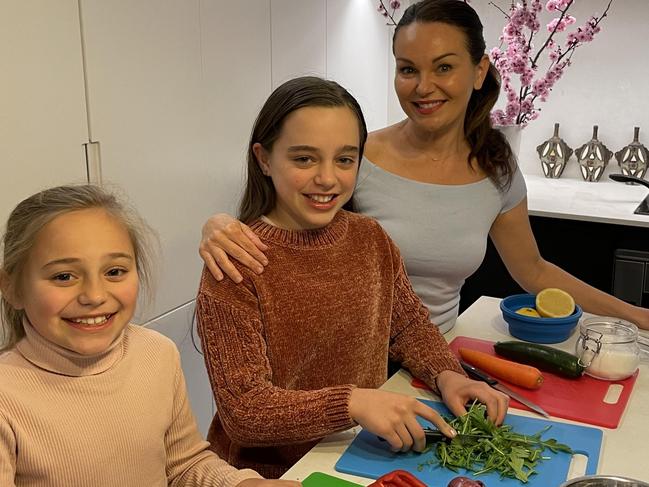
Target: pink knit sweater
119 418
285 349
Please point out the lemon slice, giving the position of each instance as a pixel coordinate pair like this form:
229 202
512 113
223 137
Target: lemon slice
528 312
554 303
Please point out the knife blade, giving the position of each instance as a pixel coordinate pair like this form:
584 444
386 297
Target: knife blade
435 435
478 374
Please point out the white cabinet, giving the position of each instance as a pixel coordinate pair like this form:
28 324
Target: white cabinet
143 69
173 88
42 108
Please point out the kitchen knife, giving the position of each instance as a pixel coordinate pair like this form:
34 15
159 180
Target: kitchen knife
435 435
478 374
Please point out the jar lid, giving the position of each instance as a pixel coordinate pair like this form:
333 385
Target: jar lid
612 330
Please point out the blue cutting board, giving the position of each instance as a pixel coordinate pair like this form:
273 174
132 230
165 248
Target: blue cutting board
367 456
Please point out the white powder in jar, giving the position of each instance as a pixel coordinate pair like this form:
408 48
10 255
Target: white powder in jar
613 364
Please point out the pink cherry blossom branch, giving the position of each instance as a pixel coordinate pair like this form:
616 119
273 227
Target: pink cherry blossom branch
518 60
383 10
564 12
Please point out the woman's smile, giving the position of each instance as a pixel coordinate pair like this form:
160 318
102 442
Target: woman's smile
427 107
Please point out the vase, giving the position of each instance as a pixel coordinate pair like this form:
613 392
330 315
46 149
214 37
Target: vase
513 135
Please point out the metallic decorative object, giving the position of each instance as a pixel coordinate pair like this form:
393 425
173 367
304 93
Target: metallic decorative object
593 158
554 154
633 158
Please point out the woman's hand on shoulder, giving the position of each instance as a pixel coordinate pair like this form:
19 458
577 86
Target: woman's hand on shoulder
223 238
268 483
393 417
457 390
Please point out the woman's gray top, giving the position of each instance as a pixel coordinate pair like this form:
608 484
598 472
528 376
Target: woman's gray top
440 229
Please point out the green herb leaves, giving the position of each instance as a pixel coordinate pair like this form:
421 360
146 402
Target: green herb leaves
509 453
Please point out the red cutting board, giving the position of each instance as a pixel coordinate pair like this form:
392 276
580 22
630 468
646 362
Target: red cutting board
575 399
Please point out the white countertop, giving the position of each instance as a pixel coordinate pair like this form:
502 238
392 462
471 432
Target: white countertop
622 448
605 201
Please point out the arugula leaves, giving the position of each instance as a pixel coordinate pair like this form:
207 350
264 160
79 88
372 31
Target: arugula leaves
509 453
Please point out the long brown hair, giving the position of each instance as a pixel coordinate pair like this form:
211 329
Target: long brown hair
29 218
488 146
259 196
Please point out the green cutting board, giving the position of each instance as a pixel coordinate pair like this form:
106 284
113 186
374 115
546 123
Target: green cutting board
319 479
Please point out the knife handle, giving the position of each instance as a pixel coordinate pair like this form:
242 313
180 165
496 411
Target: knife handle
477 374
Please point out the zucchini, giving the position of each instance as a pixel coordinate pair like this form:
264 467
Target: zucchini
541 356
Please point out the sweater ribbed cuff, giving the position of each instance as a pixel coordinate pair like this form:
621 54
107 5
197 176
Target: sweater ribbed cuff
238 476
338 411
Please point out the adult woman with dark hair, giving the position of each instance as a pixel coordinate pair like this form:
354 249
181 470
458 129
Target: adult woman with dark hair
442 180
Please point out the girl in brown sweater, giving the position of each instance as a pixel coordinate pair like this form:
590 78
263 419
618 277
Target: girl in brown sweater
87 399
298 352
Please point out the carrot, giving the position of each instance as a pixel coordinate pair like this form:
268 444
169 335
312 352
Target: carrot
512 372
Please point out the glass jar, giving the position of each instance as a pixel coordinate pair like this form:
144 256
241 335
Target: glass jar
608 348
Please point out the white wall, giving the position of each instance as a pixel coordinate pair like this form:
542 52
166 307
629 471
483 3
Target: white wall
298 39
343 40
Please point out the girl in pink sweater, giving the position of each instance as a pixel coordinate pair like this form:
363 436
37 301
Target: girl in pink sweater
298 352
87 399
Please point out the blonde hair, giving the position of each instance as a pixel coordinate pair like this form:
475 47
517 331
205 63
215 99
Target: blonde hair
33 213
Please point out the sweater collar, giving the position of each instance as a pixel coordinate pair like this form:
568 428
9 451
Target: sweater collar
318 237
53 358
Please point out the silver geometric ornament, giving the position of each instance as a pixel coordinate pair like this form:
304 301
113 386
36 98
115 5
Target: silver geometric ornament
633 158
593 158
554 154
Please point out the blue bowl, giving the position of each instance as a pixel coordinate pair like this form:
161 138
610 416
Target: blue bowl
537 330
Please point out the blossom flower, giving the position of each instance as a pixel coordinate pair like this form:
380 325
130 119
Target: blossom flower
389 10
517 58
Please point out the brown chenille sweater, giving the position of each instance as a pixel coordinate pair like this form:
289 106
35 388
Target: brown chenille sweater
285 349
118 418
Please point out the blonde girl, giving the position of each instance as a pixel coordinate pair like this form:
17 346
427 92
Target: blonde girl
86 398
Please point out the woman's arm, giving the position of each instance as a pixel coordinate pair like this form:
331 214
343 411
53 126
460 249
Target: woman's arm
224 237
512 235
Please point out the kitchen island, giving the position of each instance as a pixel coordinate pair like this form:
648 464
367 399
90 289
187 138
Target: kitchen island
622 450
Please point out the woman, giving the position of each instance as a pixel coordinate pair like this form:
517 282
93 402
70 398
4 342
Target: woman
442 180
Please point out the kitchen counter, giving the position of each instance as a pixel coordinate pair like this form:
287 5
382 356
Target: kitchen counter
622 448
605 201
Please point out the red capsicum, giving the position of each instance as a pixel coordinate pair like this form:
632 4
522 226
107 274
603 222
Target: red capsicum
398 478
